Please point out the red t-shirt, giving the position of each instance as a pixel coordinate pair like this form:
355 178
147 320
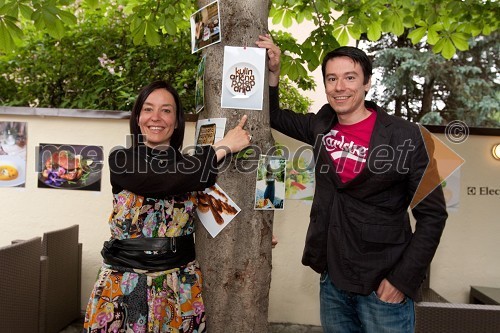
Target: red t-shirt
348 146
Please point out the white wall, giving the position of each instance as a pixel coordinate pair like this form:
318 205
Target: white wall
468 254
469 250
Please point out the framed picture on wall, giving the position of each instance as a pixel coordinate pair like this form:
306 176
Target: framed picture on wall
13 136
69 167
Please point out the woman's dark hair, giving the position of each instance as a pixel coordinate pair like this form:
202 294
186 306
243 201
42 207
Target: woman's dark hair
178 135
357 55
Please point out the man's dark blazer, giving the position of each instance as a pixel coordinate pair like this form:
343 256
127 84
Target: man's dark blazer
360 231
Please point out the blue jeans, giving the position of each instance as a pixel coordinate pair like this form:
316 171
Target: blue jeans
346 312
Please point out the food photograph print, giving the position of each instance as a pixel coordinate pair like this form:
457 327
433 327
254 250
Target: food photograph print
69 167
216 209
13 139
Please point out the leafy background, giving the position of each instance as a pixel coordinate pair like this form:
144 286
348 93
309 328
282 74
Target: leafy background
435 60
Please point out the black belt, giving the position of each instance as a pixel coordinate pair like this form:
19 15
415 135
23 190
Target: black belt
163 253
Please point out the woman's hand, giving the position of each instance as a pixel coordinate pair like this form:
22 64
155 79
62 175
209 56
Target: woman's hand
273 54
235 140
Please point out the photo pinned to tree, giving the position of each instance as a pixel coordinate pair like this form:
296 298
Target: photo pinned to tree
216 209
270 184
300 180
199 93
205 27
70 167
209 131
243 78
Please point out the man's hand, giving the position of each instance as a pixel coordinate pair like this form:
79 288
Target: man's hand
388 293
273 54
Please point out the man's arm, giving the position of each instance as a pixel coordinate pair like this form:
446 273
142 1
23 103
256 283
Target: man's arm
273 55
430 215
297 126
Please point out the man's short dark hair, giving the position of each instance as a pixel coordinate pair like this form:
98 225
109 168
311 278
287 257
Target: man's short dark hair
357 55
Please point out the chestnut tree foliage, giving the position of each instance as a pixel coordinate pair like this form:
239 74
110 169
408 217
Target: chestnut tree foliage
49 48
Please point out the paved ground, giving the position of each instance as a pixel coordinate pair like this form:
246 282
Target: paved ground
293 328
274 328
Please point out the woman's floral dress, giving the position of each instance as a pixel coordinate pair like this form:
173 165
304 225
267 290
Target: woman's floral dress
132 300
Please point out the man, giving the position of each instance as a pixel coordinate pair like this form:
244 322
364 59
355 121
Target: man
368 167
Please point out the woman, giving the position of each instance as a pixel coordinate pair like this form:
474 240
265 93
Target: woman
150 280
269 191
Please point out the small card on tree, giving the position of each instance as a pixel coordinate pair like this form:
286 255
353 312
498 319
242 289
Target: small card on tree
209 131
270 185
205 27
199 93
243 77
215 209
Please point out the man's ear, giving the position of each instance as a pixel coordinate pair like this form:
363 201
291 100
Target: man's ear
368 85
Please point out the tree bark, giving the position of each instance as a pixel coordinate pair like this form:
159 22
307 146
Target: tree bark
427 97
236 264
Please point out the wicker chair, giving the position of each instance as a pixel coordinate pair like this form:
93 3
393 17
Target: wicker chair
61 300
20 286
456 318
434 314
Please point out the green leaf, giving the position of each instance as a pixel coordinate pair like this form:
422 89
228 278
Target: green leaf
53 25
300 17
374 31
313 64
37 19
272 11
93 4
460 40
278 16
398 27
152 36
138 33
448 49
354 31
170 26
287 19
56 30
14 30
341 35
293 71
6 42
487 30
416 35
387 24
409 21
26 11
308 54
439 46
432 36
474 29
9 9
245 154
67 17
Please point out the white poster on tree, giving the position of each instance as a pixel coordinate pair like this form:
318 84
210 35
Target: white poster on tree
243 77
216 209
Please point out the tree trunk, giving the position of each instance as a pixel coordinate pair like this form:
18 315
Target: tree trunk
236 264
427 98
